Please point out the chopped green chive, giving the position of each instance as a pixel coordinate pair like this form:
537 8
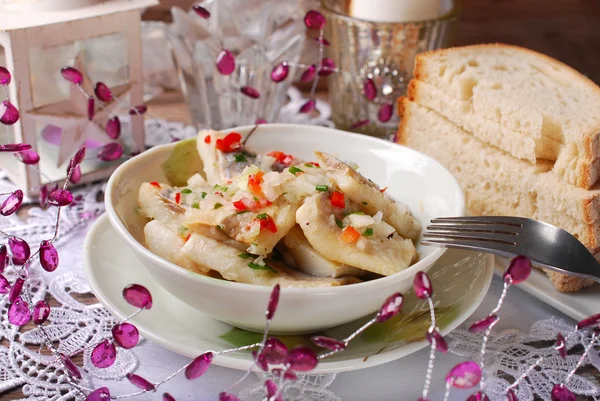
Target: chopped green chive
245 255
309 165
364 203
321 188
255 198
195 205
243 211
203 195
220 188
259 267
182 230
218 205
220 227
186 191
339 223
295 170
262 216
240 158
357 212
368 232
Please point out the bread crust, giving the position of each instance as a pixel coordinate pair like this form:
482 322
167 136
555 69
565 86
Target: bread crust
589 171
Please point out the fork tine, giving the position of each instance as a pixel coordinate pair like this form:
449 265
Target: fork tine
473 236
475 228
485 246
500 220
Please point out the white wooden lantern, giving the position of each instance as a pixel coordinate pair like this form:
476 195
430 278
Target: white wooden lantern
103 39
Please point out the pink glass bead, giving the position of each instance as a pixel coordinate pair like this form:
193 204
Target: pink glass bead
260 360
593 320
464 375
20 250
3 257
518 270
28 157
440 343
140 382
272 390
15 147
18 313
560 392
75 175
385 112
260 121
561 345
322 41
60 197
423 399
359 124
91 108
168 397
11 114
250 92
422 286
4 76
478 396
225 62
137 296
224 396
280 72
100 394
43 197
302 359
309 74
70 366
48 256
483 324
12 203
288 375
4 285
308 106
390 307
110 152
511 396
104 354
329 343
103 92
15 291
72 75
369 89
314 20
126 335
327 67
140 109
79 156
275 351
199 366
201 11
41 311
113 127
273 302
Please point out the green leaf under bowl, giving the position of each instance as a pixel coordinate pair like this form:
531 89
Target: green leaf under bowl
239 338
183 163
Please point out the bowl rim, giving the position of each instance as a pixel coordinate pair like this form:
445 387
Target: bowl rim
139 248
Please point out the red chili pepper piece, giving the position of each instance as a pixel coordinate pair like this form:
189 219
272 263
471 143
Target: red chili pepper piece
230 143
207 139
338 199
178 197
281 157
155 184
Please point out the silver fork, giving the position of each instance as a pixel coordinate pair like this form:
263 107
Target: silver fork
544 244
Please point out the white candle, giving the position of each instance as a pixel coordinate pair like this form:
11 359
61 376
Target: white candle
398 10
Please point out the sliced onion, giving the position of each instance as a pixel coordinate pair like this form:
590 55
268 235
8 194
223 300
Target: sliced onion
266 164
360 220
260 261
382 229
362 243
196 181
352 165
378 216
254 230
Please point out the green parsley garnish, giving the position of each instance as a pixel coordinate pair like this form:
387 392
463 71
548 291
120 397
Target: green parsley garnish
262 216
255 198
365 203
339 223
259 267
186 191
240 158
220 227
243 211
295 170
368 232
321 188
203 195
245 255
195 205
217 205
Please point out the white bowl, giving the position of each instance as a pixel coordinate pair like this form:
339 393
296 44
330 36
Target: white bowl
412 178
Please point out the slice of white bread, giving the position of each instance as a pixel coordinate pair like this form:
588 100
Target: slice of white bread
498 184
523 102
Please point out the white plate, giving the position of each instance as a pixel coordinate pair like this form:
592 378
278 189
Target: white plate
460 279
578 305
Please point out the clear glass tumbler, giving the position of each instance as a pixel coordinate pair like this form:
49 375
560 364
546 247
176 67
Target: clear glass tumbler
375 61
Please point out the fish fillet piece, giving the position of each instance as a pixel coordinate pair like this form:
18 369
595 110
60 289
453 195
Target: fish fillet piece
368 195
212 254
308 260
155 206
385 256
167 244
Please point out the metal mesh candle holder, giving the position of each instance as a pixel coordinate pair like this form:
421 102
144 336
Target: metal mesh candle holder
375 61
